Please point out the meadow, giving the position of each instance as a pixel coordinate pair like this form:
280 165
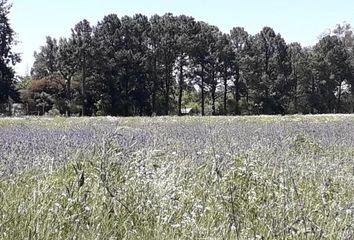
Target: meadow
263 177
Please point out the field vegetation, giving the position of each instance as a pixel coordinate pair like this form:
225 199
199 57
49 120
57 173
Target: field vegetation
177 178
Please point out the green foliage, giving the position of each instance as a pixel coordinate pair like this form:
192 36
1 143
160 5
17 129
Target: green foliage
7 56
102 106
138 66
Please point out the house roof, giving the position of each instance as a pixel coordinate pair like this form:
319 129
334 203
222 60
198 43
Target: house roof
186 110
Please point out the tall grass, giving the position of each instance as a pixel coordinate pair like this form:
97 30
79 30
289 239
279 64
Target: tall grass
295 186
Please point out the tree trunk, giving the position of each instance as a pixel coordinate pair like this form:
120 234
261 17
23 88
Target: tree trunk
180 93
247 96
237 93
339 97
68 94
225 91
112 92
295 97
352 96
154 88
213 95
126 92
153 99
213 100
83 88
295 87
203 110
167 92
312 92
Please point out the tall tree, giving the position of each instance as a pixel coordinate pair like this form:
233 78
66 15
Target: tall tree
45 63
203 42
67 67
345 33
7 57
133 68
213 68
108 39
226 63
165 32
82 39
273 69
241 66
140 94
186 29
331 70
48 70
154 70
301 78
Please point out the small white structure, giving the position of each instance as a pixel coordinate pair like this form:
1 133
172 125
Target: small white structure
17 109
187 111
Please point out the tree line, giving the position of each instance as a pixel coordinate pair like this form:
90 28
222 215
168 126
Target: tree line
165 64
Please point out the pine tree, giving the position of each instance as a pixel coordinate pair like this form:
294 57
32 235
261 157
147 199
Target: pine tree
7 57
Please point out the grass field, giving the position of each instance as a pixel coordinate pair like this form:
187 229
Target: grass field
177 178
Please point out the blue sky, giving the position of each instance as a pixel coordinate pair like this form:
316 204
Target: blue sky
296 20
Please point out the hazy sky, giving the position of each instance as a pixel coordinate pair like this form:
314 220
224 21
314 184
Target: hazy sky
297 20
